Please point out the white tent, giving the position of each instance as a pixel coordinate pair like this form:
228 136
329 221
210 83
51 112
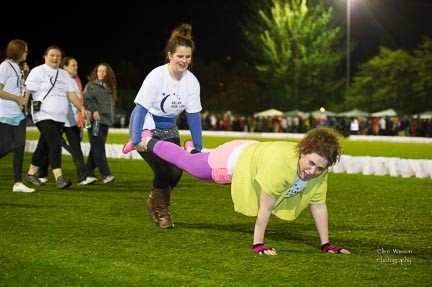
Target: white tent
318 114
385 113
353 113
269 113
426 115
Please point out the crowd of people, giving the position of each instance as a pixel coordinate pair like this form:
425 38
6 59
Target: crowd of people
52 94
59 105
388 125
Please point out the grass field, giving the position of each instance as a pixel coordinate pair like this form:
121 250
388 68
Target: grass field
101 235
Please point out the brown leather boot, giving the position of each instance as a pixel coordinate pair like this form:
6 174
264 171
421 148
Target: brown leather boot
161 205
151 208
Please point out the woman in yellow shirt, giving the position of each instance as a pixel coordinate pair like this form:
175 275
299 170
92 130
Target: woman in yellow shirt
279 178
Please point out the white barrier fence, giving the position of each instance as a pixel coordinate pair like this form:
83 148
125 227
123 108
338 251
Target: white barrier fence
392 166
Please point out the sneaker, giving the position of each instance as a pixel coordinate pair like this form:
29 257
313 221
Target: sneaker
108 179
92 178
20 187
88 180
33 179
128 146
43 179
62 182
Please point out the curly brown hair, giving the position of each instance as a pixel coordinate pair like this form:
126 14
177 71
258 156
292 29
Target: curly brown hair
110 79
323 141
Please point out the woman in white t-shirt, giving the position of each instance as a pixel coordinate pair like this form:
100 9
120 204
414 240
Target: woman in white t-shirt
52 89
72 129
166 92
12 119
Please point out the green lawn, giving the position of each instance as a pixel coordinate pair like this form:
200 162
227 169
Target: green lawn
101 235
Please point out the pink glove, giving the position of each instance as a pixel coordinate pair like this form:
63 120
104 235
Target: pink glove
327 247
261 249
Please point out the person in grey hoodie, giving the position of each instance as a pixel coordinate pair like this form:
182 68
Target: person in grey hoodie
100 97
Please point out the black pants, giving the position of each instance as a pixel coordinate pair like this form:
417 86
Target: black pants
73 136
97 155
13 138
73 146
165 174
49 144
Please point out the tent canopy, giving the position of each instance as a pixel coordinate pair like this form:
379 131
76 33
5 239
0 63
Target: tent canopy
424 115
322 115
297 113
353 113
385 113
269 113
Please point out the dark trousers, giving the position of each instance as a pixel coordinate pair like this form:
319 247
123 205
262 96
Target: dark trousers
49 144
166 175
73 146
73 136
13 138
97 155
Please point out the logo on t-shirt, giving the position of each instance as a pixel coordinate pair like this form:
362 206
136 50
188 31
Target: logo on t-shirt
171 104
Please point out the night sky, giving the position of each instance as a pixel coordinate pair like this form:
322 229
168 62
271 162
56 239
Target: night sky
108 33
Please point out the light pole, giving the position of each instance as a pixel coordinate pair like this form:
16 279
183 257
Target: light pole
348 59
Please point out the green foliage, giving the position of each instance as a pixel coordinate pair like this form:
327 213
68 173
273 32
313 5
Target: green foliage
101 235
295 50
395 78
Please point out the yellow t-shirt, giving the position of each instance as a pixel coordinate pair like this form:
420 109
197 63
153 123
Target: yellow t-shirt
272 166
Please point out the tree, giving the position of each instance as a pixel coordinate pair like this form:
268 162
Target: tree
396 79
228 85
423 85
295 51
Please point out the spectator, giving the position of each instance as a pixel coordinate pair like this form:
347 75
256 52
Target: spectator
100 97
52 88
12 101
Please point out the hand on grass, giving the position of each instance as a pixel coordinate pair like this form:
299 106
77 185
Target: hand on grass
327 247
263 249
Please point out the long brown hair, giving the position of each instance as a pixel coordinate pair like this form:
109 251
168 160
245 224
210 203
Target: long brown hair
110 79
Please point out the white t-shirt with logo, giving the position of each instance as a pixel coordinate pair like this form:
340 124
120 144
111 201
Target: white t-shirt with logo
72 116
56 104
13 84
163 96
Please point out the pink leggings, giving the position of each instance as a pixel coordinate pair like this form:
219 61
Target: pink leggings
195 164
